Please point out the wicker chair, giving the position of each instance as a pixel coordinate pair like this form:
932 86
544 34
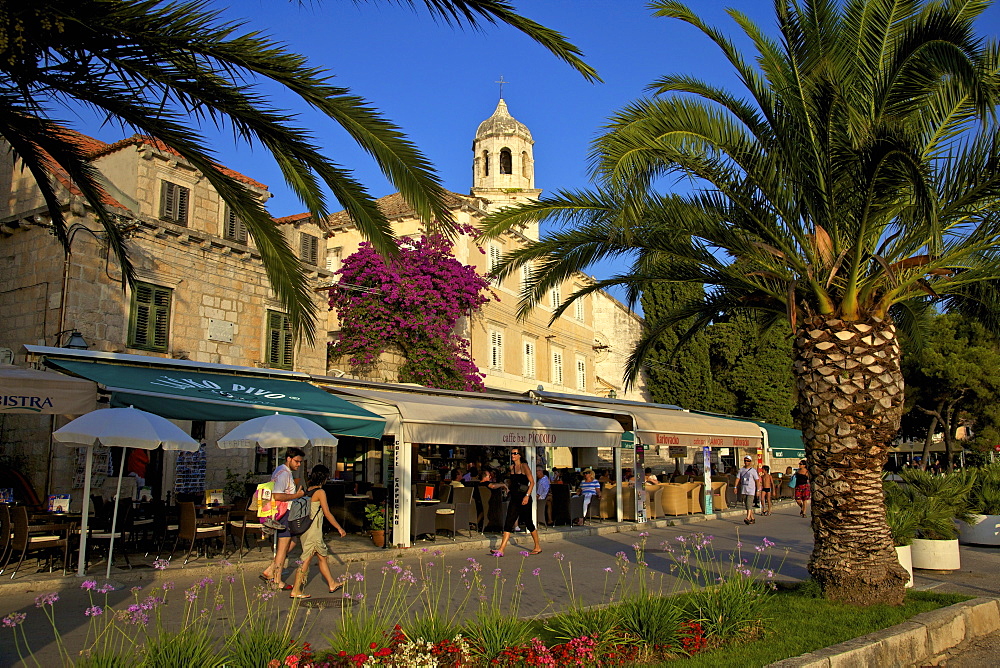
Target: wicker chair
695 497
672 499
651 500
719 495
609 502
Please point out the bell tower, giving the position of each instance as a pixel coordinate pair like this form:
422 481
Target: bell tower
503 164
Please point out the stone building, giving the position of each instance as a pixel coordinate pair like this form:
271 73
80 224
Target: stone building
203 296
581 352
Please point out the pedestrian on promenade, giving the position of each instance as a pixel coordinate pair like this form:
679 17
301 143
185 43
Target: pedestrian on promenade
766 485
313 544
591 489
519 511
747 482
803 492
544 511
285 490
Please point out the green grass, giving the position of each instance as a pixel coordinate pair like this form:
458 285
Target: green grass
800 622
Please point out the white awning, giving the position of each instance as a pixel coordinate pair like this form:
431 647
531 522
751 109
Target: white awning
658 424
44 392
461 420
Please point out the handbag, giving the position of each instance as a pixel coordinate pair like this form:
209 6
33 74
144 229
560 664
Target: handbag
792 482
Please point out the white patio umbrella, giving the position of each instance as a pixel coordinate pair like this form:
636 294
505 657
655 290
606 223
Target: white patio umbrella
122 428
280 430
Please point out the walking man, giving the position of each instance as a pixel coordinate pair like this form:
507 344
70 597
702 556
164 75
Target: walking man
747 483
285 491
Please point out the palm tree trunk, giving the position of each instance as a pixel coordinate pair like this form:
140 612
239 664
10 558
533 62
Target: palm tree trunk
850 400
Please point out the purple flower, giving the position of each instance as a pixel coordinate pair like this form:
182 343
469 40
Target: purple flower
231 579
496 572
644 534
105 588
608 569
536 572
681 539
768 543
524 553
94 611
190 595
88 584
359 596
14 619
205 582
167 586
161 564
359 577
558 556
46 599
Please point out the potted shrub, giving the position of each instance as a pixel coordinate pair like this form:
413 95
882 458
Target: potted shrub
937 501
375 519
902 521
983 526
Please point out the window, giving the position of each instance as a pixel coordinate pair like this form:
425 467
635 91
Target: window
557 366
525 275
334 258
578 309
525 165
236 229
495 256
486 163
581 373
506 161
529 359
279 341
174 203
496 350
149 319
309 248
556 296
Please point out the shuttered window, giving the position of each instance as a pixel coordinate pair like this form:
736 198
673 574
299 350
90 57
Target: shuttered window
279 341
529 359
581 374
309 248
557 366
556 295
579 309
235 230
174 203
496 254
496 350
149 319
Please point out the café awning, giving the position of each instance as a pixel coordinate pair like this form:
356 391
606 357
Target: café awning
192 394
462 420
44 392
781 442
659 424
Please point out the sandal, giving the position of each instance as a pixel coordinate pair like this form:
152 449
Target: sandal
300 595
534 552
339 586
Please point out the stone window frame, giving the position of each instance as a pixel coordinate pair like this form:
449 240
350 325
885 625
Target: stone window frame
309 248
175 202
581 373
495 361
529 351
558 357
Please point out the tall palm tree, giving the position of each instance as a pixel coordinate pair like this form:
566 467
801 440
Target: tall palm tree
162 68
856 172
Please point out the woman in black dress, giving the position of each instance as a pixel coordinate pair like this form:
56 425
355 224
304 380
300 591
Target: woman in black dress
519 509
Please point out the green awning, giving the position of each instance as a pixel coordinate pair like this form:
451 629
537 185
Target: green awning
781 441
182 394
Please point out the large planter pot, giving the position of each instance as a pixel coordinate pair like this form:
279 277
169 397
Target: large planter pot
378 537
906 561
983 530
935 555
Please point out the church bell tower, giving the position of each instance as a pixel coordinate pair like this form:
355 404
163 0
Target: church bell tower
503 165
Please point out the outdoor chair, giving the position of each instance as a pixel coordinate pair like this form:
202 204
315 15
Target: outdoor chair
445 518
164 526
241 526
26 539
651 500
695 497
609 502
560 504
102 532
576 509
191 531
6 534
672 500
465 507
424 520
628 503
719 495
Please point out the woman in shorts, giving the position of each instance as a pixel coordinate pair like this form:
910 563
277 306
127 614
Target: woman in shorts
803 492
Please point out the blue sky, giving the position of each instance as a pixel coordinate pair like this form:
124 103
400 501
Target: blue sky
438 83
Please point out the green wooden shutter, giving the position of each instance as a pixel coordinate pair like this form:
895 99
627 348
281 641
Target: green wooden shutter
174 202
309 248
150 318
279 341
236 230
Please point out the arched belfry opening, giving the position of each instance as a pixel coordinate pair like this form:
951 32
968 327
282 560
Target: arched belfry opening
486 163
525 165
506 161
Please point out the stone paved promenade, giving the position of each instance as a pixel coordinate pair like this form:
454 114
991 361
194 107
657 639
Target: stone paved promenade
587 550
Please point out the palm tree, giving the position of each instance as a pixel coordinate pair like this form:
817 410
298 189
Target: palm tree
162 68
855 174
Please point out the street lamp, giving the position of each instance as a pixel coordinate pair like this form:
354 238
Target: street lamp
75 341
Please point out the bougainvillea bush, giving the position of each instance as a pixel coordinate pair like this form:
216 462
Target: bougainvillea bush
410 304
